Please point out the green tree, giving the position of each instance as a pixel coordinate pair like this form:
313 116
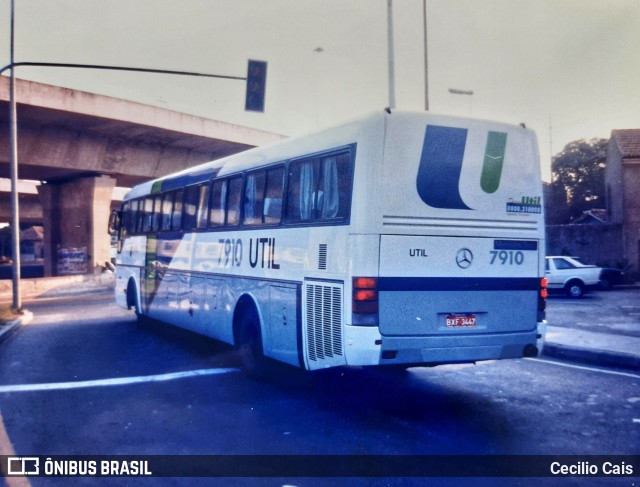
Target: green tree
577 180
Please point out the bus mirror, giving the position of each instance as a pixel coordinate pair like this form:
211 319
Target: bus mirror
114 222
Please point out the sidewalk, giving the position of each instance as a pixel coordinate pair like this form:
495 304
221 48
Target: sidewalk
576 345
593 348
56 286
49 287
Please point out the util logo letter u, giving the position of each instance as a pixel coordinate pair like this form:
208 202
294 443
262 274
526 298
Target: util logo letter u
438 181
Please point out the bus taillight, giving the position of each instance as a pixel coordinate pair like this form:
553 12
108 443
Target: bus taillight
364 304
544 293
542 298
365 283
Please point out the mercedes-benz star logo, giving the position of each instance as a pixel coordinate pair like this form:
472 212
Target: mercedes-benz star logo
464 258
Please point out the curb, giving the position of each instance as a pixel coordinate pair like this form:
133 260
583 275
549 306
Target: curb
589 356
10 327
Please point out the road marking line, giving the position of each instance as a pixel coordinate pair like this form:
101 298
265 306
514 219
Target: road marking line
581 367
114 382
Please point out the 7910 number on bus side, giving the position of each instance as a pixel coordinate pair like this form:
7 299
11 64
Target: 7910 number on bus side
262 251
507 257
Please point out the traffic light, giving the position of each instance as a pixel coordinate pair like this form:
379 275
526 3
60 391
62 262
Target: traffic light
256 86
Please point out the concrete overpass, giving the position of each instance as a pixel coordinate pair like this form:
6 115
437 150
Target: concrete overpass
83 145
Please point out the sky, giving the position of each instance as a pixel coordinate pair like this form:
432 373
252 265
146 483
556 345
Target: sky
568 69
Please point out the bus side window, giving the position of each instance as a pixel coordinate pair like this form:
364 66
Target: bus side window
202 213
273 196
148 215
301 202
234 201
254 198
319 189
218 203
133 217
176 216
140 219
167 207
190 206
333 187
124 223
157 208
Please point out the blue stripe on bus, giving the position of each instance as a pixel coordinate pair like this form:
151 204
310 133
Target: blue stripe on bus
458 284
515 245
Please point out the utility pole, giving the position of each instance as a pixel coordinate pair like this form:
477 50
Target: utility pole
426 63
13 144
392 83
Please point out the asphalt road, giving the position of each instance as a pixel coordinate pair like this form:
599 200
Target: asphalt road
127 404
615 312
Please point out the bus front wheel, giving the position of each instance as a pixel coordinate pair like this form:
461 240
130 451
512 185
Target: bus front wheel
132 300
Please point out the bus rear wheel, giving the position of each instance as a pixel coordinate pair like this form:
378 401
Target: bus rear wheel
250 346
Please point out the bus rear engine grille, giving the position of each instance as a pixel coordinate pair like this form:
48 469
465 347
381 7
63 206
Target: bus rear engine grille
324 322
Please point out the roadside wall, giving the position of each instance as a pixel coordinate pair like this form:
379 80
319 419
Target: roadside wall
52 286
596 244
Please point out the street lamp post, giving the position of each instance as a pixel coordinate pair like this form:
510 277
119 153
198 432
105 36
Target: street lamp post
456 91
392 83
318 50
13 138
469 93
426 64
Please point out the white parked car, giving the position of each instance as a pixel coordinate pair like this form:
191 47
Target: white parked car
571 274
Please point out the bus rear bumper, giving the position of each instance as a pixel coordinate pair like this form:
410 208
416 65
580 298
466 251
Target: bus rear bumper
435 350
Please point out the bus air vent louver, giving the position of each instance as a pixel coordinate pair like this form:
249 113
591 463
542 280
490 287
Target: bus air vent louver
324 324
322 257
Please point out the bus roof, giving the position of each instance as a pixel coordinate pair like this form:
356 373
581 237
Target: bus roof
280 151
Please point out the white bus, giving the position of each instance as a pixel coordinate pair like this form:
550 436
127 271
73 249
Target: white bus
400 239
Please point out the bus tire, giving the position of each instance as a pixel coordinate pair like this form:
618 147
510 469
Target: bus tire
249 342
132 299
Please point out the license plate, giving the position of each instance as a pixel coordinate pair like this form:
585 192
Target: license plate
461 321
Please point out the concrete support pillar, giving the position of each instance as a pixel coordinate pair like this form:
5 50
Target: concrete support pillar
75 218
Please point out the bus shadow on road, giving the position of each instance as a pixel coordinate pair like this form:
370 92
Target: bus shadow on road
464 421
441 418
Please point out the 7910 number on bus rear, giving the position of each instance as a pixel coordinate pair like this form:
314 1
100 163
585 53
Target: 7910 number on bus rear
507 257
